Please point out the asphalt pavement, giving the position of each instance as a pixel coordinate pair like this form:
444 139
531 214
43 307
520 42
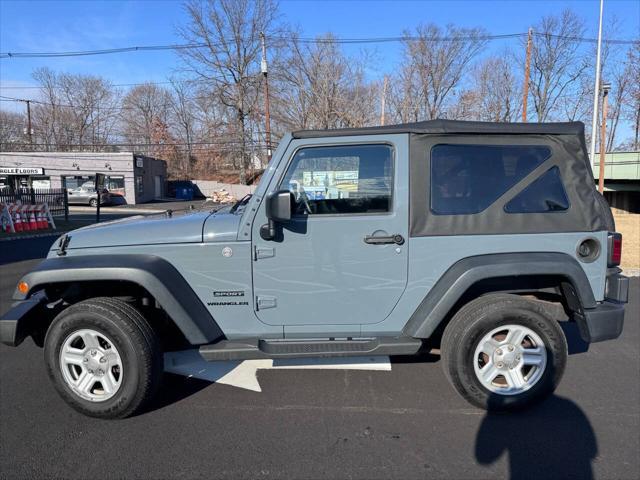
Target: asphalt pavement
405 423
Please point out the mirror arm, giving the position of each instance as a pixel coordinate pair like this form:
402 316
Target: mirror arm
268 230
272 229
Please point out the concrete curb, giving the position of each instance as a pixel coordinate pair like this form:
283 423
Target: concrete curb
57 233
129 211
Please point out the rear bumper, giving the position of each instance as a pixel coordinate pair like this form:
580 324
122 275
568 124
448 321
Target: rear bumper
605 322
15 325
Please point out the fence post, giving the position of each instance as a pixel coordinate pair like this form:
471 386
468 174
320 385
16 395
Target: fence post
66 205
33 196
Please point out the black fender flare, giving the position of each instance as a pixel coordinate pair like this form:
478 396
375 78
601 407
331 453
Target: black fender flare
468 271
159 277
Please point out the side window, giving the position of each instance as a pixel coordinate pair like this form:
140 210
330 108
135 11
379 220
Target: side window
466 179
341 179
545 194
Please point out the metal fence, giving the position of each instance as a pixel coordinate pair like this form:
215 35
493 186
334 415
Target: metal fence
55 198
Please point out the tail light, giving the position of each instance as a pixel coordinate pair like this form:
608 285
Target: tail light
614 244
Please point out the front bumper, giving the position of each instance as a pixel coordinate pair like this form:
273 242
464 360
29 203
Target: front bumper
17 323
605 321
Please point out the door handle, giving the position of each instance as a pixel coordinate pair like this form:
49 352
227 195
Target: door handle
375 240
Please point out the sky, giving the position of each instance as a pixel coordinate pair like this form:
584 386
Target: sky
32 26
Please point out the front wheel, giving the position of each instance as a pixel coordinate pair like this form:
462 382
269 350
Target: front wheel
503 352
103 358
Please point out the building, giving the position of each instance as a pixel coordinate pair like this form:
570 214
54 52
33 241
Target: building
621 180
133 177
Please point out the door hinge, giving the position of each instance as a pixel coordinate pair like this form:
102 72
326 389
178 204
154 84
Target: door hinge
266 301
263 252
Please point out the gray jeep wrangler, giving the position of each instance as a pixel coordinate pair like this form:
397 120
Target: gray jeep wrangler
463 236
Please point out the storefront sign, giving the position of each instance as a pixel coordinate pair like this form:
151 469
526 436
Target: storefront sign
21 171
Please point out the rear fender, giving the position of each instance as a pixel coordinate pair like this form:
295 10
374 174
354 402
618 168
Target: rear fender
444 295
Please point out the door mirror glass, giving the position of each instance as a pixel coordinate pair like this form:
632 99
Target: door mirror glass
279 206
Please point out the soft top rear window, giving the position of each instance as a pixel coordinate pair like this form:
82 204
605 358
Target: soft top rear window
466 179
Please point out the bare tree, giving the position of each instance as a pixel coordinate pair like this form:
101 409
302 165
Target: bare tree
184 118
230 29
557 63
76 110
435 61
498 90
633 104
12 125
322 88
144 107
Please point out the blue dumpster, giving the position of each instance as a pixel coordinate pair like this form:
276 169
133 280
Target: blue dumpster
184 193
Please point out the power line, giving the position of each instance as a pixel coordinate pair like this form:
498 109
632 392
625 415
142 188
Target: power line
319 40
33 87
157 145
4 98
574 38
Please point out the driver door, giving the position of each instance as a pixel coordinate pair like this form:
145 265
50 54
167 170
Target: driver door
324 268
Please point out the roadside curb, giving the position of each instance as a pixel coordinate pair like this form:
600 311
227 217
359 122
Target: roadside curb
35 235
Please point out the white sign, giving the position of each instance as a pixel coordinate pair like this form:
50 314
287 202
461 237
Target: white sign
21 171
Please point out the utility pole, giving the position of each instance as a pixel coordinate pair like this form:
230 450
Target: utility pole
596 91
383 100
263 68
603 134
527 69
28 102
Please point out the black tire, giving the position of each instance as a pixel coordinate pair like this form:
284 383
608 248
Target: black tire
477 319
136 342
93 202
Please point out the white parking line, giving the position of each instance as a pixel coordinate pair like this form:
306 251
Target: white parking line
243 374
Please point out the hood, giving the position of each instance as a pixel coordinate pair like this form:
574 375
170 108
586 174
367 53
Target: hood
141 230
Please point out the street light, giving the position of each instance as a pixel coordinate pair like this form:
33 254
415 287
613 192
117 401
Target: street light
604 88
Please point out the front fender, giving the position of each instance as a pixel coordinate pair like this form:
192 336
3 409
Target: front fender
155 274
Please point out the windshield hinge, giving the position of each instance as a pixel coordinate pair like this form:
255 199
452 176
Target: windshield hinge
63 243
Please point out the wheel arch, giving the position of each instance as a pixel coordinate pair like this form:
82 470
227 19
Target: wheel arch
149 273
522 273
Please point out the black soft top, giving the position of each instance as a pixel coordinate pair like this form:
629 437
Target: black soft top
453 127
587 212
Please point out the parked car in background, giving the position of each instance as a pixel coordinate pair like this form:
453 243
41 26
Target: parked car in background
86 194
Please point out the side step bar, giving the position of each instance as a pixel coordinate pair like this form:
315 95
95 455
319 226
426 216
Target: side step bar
253 349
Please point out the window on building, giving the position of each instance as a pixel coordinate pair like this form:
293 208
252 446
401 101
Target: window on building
41 183
115 185
139 185
341 179
545 194
466 179
74 182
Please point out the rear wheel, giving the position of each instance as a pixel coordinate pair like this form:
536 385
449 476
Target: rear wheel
503 352
93 202
103 358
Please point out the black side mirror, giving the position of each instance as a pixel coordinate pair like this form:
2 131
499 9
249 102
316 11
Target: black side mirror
279 206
